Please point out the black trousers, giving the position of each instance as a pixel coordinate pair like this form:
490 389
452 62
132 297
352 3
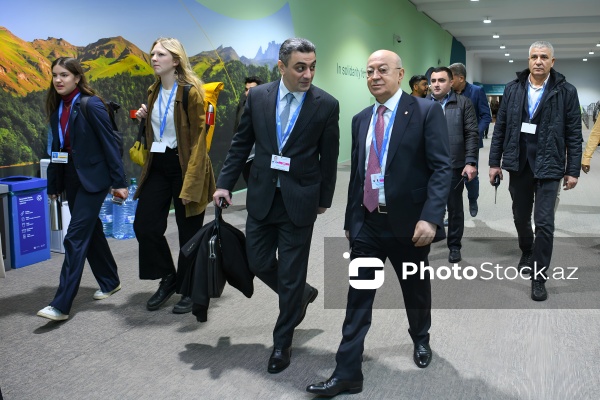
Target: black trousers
537 195
274 236
456 214
377 240
163 185
84 239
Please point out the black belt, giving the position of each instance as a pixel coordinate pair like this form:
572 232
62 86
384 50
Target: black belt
381 209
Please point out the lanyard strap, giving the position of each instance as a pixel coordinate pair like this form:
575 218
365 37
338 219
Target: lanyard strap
386 135
163 119
283 136
537 103
61 134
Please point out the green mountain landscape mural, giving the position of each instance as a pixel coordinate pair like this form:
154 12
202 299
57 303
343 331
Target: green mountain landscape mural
121 72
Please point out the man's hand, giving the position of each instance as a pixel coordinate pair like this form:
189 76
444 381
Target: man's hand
122 193
185 202
221 193
348 235
493 172
470 170
424 233
569 182
585 168
321 210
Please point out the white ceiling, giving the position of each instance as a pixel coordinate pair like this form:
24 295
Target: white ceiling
572 26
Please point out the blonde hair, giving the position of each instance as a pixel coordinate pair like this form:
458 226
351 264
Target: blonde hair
185 75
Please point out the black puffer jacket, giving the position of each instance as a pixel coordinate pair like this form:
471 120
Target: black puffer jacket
559 131
463 133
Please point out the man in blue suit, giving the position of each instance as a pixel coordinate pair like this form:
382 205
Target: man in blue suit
399 185
484 117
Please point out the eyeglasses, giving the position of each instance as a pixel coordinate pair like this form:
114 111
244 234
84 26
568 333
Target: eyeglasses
383 71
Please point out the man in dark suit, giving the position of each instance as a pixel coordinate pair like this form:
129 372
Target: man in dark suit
294 127
399 184
484 117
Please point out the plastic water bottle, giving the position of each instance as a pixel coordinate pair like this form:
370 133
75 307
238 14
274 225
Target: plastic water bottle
124 215
106 215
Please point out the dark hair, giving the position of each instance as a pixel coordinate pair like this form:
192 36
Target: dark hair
444 69
416 79
253 79
73 66
458 69
295 44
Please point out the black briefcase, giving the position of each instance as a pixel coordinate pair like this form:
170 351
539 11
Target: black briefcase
216 275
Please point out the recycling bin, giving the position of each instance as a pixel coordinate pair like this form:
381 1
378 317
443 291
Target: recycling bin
29 224
5 227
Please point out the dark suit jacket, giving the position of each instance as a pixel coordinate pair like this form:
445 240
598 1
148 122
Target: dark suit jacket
482 108
312 146
417 172
94 150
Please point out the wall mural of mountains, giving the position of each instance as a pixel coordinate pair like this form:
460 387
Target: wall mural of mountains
120 71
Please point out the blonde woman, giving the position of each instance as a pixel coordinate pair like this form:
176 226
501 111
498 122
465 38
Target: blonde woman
178 169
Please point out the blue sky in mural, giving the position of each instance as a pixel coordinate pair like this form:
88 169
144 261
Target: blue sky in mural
81 23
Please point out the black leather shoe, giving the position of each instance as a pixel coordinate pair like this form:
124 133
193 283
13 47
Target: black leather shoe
166 288
525 262
422 355
305 302
334 386
473 208
538 290
279 360
454 256
184 306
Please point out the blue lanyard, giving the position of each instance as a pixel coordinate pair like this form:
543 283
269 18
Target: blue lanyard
163 120
282 138
537 103
61 135
386 135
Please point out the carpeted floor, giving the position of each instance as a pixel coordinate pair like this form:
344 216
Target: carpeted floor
490 341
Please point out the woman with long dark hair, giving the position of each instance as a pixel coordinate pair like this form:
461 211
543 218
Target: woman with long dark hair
85 163
177 170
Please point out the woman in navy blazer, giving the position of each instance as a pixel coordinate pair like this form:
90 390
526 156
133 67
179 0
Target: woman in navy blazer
86 162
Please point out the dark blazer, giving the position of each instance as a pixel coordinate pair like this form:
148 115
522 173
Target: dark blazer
94 151
312 146
417 172
482 108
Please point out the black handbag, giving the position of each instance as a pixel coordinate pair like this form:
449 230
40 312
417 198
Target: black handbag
216 275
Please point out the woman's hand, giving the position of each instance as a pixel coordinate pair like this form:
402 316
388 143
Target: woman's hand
585 168
142 112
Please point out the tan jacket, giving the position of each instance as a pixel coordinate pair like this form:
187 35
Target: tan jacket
592 143
198 176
